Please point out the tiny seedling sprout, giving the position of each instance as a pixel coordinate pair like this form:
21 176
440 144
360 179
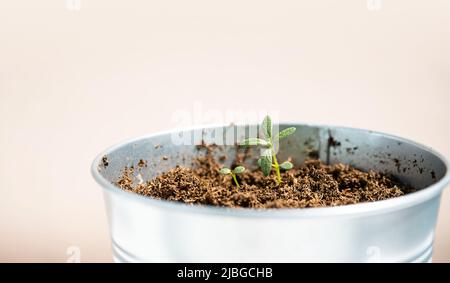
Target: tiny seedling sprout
233 173
268 159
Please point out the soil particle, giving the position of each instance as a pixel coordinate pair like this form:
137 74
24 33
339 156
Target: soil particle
105 162
433 175
333 143
351 150
397 163
142 163
313 184
126 181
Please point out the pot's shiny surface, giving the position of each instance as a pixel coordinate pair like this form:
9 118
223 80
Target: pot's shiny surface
394 230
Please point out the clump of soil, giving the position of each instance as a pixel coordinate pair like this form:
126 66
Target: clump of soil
313 184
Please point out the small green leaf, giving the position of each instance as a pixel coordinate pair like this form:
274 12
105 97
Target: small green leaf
286 165
225 171
253 141
238 170
266 161
286 132
259 162
267 127
266 164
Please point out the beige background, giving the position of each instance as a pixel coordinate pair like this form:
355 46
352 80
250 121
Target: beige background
74 82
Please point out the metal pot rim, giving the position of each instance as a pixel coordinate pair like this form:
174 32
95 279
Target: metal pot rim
352 210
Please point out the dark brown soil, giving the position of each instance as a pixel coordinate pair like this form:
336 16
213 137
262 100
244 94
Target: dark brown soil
313 184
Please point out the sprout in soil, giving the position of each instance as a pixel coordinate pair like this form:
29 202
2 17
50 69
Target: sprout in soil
233 173
268 157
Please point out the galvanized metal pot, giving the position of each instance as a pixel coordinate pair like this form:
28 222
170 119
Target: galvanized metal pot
395 230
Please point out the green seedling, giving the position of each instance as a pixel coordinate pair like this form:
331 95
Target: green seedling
233 173
268 159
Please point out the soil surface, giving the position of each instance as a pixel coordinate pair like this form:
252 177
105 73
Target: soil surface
312 184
